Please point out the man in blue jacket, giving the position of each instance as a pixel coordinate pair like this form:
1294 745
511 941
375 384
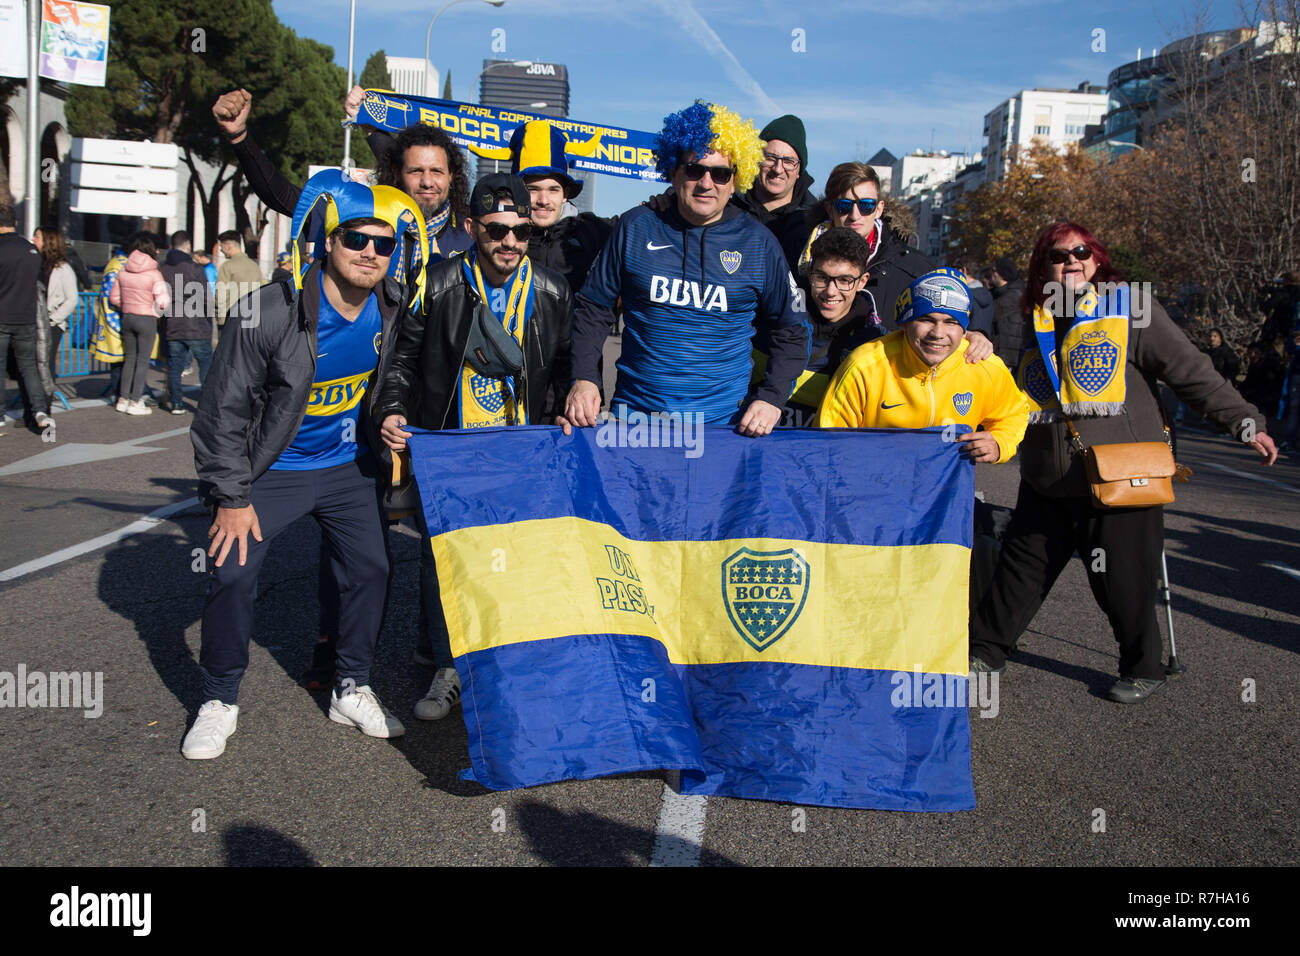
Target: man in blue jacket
696 281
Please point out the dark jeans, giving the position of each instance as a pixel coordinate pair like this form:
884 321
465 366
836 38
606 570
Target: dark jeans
345 501
433 639
178 358
1044 534
22 338
138 333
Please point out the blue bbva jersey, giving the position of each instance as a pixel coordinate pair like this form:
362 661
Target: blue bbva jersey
331 432
692 298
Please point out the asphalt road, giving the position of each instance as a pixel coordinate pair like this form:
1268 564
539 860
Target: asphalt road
1195 776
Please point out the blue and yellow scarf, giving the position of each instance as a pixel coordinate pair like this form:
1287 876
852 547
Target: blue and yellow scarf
1093 353
485 402
433 225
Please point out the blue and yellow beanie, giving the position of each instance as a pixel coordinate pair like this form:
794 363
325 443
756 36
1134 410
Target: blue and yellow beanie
539 149
940 290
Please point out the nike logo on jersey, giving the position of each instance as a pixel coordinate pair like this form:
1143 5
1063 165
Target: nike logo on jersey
653 248
683 292
895 405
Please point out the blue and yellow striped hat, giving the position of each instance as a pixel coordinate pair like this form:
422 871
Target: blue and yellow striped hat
539 149
330 199
939 290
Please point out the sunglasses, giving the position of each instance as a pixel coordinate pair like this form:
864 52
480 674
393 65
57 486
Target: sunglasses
497 230
721 175
865 206
1062 256
356 241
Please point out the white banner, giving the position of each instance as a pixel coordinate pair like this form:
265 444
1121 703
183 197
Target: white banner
13 38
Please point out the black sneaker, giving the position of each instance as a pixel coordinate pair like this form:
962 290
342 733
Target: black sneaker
1134 690
320 673
980 666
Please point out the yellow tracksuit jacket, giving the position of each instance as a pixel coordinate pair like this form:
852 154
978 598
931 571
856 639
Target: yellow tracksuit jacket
885 384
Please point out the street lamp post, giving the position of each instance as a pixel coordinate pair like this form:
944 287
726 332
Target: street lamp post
347 130
428 34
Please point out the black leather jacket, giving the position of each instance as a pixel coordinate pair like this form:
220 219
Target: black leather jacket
256 393
421 382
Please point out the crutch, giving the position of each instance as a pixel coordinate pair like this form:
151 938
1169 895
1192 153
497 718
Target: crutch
1174 666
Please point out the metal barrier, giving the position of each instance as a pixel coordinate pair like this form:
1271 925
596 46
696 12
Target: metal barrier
75 351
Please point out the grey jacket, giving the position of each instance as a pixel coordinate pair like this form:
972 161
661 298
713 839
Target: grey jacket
256 393
1158 351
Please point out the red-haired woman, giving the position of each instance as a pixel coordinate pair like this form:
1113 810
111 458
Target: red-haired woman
1108 343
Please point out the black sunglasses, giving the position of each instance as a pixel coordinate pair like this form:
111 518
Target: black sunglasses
865 206
497 230
356 240
1061 256
721 175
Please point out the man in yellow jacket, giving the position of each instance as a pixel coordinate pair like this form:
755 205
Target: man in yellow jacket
917 376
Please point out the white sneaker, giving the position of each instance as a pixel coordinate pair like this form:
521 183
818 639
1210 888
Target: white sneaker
362 709
43 421
443 695
207 738
138 407
121 405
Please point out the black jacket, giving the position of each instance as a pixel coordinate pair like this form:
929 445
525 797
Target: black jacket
256 392
570 246
1225 361
421 383
20 270
1010 327
281 195
189 316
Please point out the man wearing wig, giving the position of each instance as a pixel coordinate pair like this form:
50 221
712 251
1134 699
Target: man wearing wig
696 281
281 432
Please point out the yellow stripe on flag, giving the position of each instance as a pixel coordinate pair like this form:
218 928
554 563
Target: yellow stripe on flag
883 608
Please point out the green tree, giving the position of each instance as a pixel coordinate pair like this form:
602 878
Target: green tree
446 85
168 62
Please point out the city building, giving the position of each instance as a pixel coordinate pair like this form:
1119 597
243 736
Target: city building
538 88
883 164
412 76
919 179
1144 93
1055 117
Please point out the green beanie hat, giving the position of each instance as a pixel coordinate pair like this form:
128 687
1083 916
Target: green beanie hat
788 129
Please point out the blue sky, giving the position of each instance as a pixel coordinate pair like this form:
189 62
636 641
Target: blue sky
894 73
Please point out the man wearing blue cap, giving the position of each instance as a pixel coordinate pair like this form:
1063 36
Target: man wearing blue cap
917 376
281 433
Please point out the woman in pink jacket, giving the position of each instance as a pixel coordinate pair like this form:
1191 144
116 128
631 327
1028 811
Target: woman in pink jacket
141 296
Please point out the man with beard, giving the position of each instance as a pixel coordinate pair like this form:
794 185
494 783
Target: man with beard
444 374
281 433
539 154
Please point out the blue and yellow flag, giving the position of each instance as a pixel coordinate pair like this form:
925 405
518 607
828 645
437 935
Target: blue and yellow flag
747 613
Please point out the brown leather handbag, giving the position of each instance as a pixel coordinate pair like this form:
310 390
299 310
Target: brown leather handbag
1130 474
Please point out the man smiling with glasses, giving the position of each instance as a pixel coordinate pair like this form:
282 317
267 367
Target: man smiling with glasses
842 315
697 279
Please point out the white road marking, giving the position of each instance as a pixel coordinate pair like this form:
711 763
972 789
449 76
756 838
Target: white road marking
147 523
680 830
1201 462
81 453
1285 569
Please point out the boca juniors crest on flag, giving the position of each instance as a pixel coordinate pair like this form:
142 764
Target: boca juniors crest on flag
765 592
616 609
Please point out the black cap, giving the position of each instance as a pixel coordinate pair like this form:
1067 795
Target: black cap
483 201
1005 266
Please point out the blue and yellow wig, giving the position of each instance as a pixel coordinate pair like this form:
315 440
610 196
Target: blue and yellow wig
708 127
330 199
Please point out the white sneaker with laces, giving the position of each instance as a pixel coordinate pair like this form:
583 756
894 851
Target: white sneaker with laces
138 407
442 696
121 405
207 738
362 709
